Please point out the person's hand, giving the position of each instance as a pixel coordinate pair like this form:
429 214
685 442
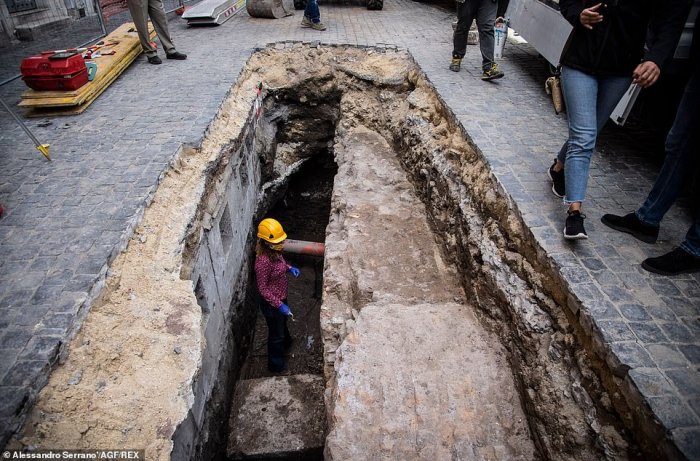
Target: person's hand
646 74
591 16
284 309
294 271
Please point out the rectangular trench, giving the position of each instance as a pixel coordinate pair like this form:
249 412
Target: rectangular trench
439 336
483 285
399 273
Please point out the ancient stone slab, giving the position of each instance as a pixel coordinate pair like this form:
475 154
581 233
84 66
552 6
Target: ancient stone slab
424 382
278 416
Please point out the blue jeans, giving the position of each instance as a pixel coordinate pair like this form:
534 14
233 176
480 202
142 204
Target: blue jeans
680 143
589 102
312 12
278 336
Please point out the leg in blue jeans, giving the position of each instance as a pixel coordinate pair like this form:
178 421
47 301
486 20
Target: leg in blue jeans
589 100
601 120
680 143
312 12
691 244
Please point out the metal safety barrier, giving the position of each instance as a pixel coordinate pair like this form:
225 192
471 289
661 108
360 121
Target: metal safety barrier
28 27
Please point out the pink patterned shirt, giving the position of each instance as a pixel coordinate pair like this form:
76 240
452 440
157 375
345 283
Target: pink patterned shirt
271 278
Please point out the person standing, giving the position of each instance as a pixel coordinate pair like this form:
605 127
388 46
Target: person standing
484 11
312 16
681 150
604 55
271 279
141 11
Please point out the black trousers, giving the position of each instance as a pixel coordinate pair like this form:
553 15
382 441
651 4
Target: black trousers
484 11
278 337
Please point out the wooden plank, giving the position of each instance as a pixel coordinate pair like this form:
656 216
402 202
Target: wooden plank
40 111
107 79
109 67
127 41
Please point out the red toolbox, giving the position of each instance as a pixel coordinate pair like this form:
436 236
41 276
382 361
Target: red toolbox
51 71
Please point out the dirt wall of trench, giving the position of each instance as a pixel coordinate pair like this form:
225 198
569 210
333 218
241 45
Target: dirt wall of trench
129 375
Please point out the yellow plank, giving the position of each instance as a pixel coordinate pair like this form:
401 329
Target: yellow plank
107 79
40 111
74 101
127 42
107 65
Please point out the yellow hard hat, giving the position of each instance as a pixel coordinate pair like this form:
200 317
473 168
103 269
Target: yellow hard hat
271 231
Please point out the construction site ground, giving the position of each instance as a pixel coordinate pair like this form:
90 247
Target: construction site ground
66 221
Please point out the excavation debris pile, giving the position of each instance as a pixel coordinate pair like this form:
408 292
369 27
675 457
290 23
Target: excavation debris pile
439 337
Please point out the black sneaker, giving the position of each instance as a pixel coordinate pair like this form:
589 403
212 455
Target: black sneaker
674 262
557 177
154 60
176 55
574 229
631 224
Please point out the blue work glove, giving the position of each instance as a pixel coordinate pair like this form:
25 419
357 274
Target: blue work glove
295 272
284 309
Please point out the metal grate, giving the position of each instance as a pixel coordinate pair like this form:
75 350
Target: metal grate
15 6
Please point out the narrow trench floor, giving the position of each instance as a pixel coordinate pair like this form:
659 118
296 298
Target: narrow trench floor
305 356
284 416
303 212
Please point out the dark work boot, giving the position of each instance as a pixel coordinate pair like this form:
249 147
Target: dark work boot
631 224
493 72
674 262
154 60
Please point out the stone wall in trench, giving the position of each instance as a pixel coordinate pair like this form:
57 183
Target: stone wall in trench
217 262
569 410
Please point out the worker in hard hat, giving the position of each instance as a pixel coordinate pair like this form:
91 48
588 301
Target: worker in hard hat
271 279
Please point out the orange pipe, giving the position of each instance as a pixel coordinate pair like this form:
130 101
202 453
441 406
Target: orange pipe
301 247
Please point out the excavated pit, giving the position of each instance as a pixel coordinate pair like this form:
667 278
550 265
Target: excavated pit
569 413
409 186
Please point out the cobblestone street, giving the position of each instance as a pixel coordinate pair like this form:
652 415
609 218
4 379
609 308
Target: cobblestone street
66 220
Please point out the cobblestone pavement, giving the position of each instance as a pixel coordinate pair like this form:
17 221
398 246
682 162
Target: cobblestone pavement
66 220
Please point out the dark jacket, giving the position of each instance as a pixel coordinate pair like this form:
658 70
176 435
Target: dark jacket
615 46
695 47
